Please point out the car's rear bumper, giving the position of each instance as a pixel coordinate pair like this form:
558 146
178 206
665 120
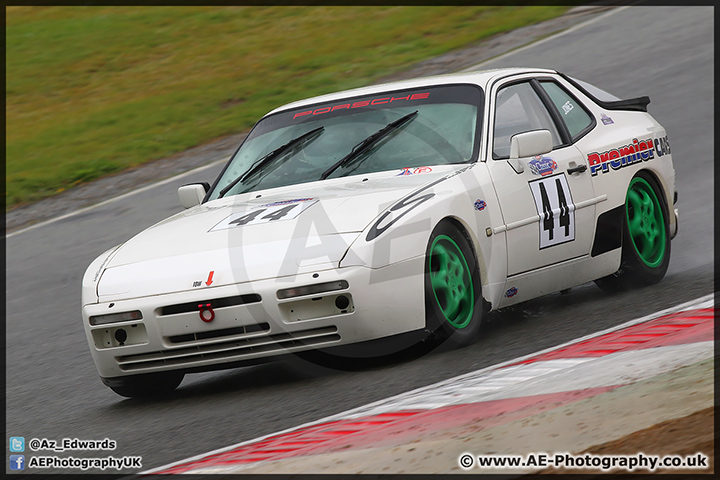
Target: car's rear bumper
378 303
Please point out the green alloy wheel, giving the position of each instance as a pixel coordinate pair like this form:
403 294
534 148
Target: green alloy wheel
646 237
452 286
645 222
451 281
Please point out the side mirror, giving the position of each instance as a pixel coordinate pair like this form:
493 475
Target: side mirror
528 144
193 193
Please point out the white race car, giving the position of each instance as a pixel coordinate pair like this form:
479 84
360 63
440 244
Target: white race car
414 206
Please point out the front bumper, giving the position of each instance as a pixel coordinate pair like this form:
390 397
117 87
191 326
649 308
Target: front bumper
175 334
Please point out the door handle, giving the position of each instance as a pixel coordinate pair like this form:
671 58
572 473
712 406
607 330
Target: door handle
578 169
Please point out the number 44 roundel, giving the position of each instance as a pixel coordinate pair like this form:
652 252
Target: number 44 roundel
556 209
271 212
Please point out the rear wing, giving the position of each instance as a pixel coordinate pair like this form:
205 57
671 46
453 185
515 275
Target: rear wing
638 104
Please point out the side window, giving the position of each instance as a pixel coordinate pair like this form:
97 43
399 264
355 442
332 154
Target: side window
518 109
574 115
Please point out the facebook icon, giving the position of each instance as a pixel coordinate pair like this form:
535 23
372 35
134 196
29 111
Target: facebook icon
17 462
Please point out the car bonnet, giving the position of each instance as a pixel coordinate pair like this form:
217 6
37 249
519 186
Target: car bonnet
214 244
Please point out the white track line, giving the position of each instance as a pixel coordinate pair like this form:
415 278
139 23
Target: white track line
115 199
702 302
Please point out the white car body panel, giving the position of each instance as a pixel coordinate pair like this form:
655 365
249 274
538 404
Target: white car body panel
157 352
369 230
151 264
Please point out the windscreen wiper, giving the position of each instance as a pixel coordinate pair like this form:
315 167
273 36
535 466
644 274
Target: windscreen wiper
368 143
263 162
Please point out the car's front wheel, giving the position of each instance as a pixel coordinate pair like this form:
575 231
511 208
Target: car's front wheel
146 385
646 237
453 303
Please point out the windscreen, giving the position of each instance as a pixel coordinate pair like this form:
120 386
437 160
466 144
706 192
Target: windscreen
417 127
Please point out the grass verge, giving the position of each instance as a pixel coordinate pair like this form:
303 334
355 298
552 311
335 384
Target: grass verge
95 90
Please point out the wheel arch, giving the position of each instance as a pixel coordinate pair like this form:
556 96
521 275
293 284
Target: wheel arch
636 270
664 189
609 224
473 241
438 324
660 185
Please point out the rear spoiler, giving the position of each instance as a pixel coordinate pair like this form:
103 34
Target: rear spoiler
638 104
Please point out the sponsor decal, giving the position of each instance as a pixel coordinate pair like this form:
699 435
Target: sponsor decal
102 267
208 282
512 291
362 103
480 205
542 165
606 120
414 171
662 146
636 152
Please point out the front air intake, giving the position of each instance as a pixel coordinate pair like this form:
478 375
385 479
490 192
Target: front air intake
214 303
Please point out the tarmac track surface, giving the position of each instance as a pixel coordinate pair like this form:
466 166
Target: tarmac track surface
53 390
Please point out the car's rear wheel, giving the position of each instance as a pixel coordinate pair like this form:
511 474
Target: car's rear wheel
145 386
453 303
646 237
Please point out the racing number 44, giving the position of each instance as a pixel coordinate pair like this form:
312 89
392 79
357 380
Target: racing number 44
554 205
274 215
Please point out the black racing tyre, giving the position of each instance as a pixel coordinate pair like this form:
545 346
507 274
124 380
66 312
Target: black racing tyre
146 385
646 237
453 299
